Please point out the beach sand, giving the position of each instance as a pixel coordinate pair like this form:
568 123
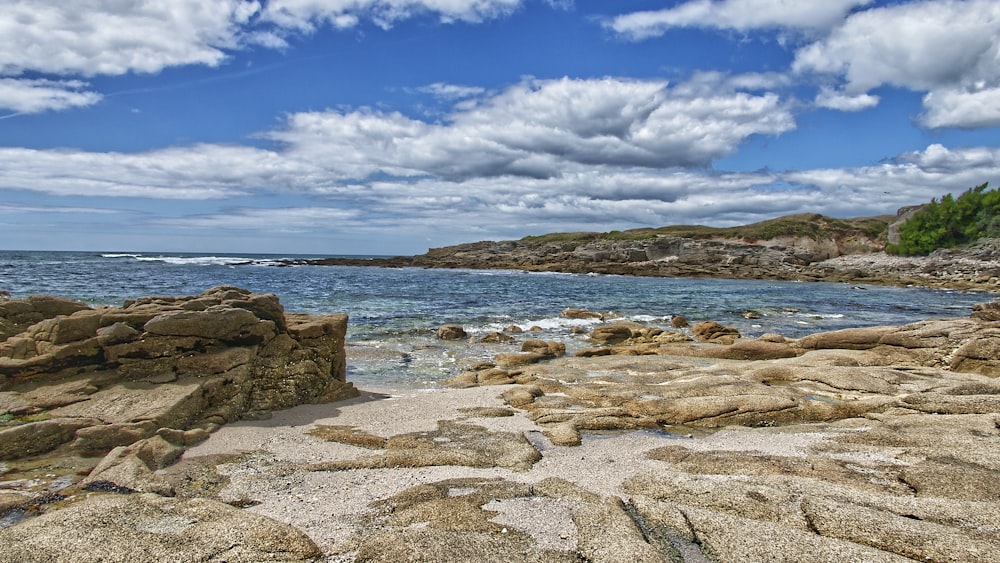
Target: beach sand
330 506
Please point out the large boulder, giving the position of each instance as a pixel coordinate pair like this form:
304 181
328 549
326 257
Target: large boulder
104 378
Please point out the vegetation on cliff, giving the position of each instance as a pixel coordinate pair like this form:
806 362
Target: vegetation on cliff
812 225
950 222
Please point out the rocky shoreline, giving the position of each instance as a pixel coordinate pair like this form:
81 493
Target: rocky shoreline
161 430
976 266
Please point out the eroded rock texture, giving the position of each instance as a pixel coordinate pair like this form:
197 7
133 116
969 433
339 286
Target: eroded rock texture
159 369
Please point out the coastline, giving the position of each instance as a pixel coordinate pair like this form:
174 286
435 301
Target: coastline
975 267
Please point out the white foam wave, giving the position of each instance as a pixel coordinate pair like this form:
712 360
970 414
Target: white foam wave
196 260
548 324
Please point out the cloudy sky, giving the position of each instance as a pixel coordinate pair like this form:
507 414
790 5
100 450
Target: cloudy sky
393 126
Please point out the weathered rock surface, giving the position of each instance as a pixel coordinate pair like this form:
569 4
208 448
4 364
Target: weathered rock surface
85 380
873 444
151 528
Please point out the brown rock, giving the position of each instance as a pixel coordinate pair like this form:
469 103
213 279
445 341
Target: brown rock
39 437
751 350
572 313
516 360
612 334
979 355
451 332
847 339
496 338
148 528
709 331
553 348
224 324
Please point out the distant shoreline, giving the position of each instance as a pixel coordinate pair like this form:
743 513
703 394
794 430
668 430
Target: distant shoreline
974 268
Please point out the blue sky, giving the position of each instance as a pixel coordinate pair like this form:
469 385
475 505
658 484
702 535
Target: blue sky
394 126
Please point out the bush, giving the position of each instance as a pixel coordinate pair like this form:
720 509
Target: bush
950 222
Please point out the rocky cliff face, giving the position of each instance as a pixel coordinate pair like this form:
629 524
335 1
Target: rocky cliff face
87 380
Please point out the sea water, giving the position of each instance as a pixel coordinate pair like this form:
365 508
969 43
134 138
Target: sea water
395 311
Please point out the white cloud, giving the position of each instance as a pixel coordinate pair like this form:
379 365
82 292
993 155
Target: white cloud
90 37
950 48
947 107
37 95
541 129
307 15
828 98
273 219
741 15
199 172
451 91
588 197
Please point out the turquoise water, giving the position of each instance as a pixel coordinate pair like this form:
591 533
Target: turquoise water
397 310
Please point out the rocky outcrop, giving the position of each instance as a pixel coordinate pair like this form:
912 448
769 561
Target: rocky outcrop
854 259
88 380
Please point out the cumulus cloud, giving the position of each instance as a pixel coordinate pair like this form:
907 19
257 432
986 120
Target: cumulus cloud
110 37
741 15
829 98
965 108
542 128
37 95
950 48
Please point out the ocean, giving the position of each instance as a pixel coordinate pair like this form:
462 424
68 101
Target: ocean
395 311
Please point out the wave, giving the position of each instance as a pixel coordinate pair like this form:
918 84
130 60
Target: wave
200 260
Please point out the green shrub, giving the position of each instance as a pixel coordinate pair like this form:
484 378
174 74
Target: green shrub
950 222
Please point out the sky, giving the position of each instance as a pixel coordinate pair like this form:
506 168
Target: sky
388 127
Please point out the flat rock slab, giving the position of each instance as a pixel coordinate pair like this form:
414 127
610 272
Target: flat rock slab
149 528
133 402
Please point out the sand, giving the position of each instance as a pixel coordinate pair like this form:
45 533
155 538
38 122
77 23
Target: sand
329 506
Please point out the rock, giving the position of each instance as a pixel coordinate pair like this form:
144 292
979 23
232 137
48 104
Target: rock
451 332
751 350
453 443
572 313
149 528
517 360
553 348
110 377
979 355
989 312
612 334
496 338
39 437
847 339
18 314
679 321
884 530
608 534
711 331
117 333
225 325
104 437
